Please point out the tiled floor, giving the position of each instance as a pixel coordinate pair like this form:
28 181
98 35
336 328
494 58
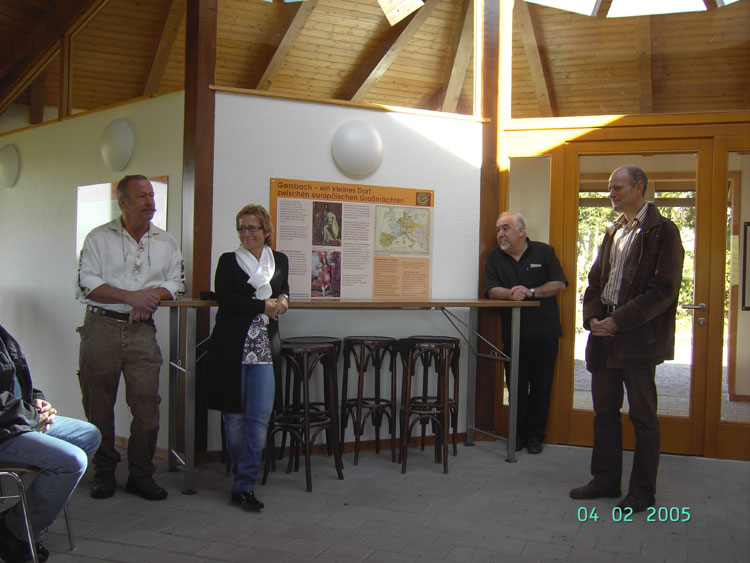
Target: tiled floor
484 510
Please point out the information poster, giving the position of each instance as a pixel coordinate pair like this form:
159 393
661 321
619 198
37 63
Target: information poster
353 241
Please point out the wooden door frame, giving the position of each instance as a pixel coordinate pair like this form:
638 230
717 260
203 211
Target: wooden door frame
724 439
679 434
711 134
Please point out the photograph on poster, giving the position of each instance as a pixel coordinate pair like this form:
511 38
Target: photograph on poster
326 223
325 280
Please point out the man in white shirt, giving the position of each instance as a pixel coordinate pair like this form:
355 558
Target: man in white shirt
127 267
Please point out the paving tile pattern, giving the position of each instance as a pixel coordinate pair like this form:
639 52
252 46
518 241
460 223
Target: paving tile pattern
484 510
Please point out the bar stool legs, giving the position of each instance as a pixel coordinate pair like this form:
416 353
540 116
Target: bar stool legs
365 350
299 417
423 408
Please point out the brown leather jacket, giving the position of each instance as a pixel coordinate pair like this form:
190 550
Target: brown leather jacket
648 296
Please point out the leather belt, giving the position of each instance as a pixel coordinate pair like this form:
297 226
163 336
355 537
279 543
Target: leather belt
122 317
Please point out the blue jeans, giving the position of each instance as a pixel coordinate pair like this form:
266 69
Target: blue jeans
62 454
246 431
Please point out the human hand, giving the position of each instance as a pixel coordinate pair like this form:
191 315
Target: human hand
137 315
46 414
270 309
147 299
606 327
282 305
519 293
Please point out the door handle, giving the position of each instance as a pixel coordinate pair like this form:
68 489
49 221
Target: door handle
699 306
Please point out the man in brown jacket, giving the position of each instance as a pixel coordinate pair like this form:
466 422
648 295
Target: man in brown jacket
629 307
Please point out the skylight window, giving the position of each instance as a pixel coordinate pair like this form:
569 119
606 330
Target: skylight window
584 7
629 8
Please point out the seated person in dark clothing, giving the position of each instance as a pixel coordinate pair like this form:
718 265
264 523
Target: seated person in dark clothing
32 435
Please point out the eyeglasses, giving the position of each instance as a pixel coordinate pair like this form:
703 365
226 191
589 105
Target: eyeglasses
250 229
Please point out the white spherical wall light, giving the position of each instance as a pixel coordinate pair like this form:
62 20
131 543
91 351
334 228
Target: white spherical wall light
10 165
118 142
357 148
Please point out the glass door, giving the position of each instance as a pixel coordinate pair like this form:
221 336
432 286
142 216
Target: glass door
729 436
679 182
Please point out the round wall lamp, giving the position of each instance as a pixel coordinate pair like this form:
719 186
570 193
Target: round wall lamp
357 148
118 142
10 165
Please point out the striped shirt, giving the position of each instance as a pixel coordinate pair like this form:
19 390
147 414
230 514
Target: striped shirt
624 237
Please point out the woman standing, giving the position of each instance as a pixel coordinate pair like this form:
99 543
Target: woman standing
252 290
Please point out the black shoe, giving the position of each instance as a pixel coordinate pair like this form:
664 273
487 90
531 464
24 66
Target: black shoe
12 550
591 491
42 552
104 484
534 446
145 487
520 444
637 503
246 499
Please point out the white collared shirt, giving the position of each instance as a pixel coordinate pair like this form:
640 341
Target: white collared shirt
111 256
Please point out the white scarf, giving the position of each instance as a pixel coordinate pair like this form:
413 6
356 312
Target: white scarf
259 272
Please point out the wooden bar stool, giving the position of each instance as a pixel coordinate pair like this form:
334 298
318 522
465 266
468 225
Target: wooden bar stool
423 407
365 350
454 365
302 419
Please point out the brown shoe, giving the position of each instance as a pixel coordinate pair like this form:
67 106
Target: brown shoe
591 491
145 487
636 502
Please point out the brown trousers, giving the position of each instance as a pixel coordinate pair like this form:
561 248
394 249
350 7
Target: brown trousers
108 348
606 458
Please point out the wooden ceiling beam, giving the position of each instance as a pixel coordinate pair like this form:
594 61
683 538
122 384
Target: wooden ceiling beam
65 93
37 97
462 51
304 12
168 36
31 55
643 46
387 52
537 66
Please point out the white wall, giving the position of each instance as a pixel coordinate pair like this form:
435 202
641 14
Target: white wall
38 236
529 194
262 138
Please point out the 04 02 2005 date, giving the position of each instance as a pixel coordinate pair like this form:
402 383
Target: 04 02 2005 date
653 514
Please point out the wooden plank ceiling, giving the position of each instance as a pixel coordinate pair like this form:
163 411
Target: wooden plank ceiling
564 64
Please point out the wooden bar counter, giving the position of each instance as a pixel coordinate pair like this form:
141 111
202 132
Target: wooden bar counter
185 341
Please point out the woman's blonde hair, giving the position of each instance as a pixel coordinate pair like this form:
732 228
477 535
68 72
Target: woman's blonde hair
260 212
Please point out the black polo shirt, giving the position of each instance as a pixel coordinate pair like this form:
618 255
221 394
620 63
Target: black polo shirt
537 266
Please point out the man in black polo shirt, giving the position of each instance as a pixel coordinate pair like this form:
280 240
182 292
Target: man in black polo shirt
519 269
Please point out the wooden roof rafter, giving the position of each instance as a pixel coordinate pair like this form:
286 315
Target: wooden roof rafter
36 51
170 29
298 23
643 48
537 65
462 51
388 50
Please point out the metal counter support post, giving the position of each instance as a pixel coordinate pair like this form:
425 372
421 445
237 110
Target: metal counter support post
471 389
471 383
187 368
515 346
174 385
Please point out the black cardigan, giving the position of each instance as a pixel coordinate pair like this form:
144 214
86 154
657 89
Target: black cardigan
237 308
